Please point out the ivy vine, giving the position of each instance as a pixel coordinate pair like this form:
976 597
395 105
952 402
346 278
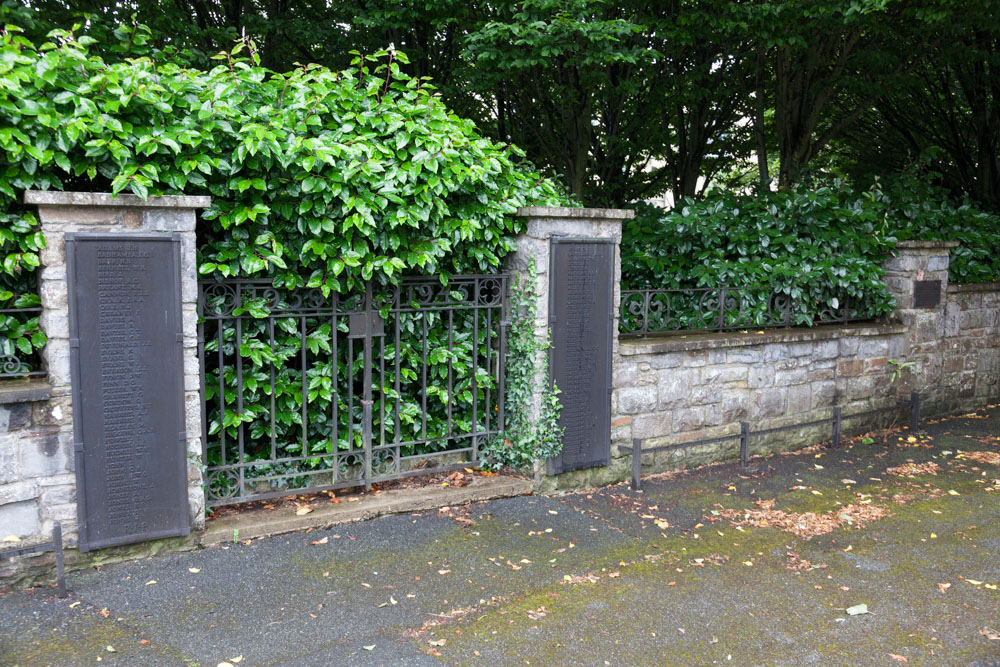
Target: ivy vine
531 430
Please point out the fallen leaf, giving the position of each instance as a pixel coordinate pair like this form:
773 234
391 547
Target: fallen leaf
437 642
857 610
973 582
943 587
105 613
369 648
225 664
322 541
237 660
894 656
194 570
392 600
143 641
990 634
953 492
109 648
151 582
302 511
443 572
553 512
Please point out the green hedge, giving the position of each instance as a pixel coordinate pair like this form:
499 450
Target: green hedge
318 178
814 245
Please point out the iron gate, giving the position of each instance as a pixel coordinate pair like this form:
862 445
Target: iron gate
306 392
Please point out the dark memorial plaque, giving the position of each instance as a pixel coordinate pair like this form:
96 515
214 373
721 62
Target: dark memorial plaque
581 285
128 391
926 293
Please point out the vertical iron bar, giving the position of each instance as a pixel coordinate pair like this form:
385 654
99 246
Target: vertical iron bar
488 405
366 401
502 385
201 371
350 393
836 427
60 564
274 445
475 384
722 308
423 385
914 412
636 464
381 391
399 396
239 402
335 393
222 395
744 444
451 335
305 392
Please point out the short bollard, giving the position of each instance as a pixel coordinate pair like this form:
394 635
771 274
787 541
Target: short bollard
744 444
636 463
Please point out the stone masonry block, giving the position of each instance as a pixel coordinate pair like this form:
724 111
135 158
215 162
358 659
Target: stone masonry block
636 400
768 403
20 519
18 492
791 377
673 389
743 355
799 399
734 408
760 376
722 374
824 394
654 425
47 452
689 419
776 351
9 468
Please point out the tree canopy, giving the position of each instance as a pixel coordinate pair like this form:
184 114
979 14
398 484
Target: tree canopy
624 100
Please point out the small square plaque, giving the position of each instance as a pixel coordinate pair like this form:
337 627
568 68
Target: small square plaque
926 293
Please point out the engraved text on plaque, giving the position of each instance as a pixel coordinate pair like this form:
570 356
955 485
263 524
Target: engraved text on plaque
127 388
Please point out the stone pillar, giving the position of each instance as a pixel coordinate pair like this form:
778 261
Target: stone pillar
64 212
917 276
534 245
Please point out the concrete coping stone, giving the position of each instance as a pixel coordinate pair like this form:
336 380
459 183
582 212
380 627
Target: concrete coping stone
573 212
974 287
926 245
59 198
714 341
24 391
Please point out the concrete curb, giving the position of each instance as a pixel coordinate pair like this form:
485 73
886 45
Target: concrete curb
264 523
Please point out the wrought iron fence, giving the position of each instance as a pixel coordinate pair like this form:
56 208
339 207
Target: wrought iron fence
658 311
304 391
15 362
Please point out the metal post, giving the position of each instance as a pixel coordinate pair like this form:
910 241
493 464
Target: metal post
60 566
836 427
366 400
636 463
744 444
914 412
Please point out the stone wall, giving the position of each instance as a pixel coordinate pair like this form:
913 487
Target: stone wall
37 454
685 387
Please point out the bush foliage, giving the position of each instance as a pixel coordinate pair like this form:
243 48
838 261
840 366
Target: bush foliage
817 244
318 178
